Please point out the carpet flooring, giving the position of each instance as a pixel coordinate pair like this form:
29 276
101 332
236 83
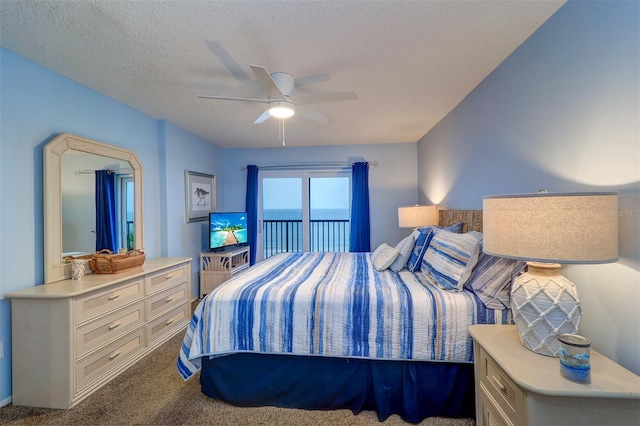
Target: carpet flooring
152 393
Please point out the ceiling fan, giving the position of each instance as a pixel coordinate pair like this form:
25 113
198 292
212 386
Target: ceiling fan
280 100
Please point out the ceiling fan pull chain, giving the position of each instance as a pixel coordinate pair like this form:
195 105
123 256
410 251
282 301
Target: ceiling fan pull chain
281 131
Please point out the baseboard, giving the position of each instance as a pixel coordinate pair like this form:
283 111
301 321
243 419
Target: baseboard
6 401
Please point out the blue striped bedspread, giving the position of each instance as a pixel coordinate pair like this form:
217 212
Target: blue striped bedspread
333 304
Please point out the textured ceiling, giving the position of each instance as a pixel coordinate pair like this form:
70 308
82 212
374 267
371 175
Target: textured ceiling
410 62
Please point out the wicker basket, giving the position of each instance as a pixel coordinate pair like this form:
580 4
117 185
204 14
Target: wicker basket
105 262
86 257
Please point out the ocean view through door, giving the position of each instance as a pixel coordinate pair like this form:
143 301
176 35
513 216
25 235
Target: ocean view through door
304 211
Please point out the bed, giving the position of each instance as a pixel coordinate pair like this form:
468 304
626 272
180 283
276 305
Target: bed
355 330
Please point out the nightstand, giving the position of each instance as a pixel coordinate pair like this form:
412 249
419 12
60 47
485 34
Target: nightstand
218 267
515 386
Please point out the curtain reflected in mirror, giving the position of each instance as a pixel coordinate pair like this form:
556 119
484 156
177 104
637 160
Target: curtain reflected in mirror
105 210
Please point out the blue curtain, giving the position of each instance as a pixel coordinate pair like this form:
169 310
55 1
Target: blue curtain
105 211
252 211
359 240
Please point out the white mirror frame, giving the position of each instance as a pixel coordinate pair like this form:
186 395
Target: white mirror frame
54 267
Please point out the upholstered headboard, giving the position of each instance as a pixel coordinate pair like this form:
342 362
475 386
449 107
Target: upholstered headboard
471 219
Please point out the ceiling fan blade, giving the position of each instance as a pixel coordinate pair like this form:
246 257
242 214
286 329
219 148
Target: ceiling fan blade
308 80
264 117
314 115
227 60
267 81
325 97
227 98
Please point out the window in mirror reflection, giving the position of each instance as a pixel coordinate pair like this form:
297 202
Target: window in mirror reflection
79 205
125 225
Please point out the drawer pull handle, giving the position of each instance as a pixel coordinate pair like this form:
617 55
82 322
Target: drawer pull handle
168 299
112 326
114 296
114 356
168 277
169 322
498 383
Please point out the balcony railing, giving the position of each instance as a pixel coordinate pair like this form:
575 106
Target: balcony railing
279 236
329 235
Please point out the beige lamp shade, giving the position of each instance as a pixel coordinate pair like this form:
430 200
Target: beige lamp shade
547 229
552 227
417 216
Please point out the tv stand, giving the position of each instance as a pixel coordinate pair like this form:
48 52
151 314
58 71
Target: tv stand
216 267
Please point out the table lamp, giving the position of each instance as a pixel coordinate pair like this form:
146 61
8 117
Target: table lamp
546 229
417 216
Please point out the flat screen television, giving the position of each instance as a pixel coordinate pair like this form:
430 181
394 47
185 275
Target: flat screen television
227 229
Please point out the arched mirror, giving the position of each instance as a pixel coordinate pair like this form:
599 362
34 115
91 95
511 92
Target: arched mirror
70 163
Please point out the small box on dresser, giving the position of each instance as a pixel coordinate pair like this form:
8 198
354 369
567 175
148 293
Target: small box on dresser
515 386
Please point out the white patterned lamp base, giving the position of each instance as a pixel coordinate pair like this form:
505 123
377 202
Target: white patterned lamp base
544 304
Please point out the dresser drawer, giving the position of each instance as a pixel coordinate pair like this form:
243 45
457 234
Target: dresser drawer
99 302
106 359
167 323
165 279
98 332
491 416
166 300
502 389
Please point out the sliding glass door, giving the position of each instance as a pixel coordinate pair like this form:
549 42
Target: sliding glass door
282 215
303 211
329 202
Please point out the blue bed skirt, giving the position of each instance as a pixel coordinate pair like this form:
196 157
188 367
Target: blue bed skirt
414 390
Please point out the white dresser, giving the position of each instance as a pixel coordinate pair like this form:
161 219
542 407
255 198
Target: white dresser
71 337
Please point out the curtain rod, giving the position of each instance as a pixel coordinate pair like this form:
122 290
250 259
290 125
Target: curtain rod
373 163
88 172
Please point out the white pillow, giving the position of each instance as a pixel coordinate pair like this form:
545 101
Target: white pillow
404 247
451 257
383 256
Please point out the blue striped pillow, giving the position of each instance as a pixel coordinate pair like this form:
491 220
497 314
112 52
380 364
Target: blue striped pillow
491 279
451 257
419 249
456 227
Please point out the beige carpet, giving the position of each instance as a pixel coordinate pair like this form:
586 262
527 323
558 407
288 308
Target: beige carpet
152 393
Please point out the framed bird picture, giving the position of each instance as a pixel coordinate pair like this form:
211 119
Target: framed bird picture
200 195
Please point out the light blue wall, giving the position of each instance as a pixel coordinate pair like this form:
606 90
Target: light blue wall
187 152
391 184
561 113
37 104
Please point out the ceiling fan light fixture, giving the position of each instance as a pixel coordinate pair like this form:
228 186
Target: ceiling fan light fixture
281 109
